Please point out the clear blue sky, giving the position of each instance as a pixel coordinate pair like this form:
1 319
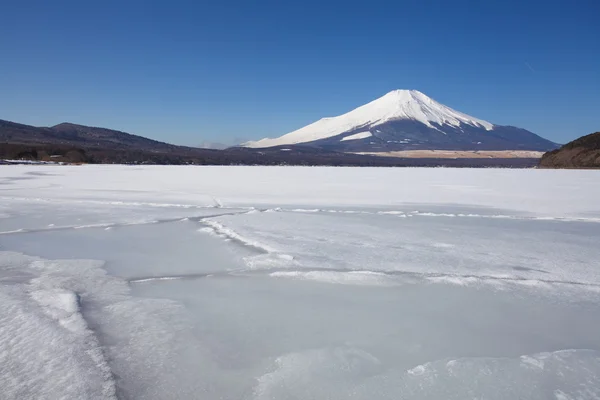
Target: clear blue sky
190 71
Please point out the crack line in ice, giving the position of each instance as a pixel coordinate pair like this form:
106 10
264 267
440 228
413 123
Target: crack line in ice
431 214
175 277
268 257
217 203
114 202
323 274
221 230
338 275
404 214
51 227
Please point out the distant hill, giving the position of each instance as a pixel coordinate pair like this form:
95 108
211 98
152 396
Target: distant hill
78 135
73 143
580 153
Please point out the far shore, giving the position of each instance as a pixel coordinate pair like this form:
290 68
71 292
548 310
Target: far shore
458 154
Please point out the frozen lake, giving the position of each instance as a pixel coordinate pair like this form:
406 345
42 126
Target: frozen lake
298 283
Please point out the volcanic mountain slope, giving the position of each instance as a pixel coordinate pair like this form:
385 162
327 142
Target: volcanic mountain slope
408 120
580 153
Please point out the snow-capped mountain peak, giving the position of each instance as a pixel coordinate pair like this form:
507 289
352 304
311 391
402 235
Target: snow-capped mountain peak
395 105
414 105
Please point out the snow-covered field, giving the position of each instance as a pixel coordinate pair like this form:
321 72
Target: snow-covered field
298 283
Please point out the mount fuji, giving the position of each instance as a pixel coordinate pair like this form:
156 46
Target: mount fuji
407 120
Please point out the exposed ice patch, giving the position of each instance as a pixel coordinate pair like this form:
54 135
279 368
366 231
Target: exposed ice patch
13 231
418 370
455 280
271 210
354 373
154 279
535 362
61 305
315 374
504 216
369 278
534 283
560 395
270 261
443 245
403 214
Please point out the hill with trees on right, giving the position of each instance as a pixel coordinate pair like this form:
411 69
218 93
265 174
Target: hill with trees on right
580 153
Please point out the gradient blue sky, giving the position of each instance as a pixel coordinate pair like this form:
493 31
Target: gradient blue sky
190 71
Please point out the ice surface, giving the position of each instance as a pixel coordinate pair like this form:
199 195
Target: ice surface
298 283
392 247
294 376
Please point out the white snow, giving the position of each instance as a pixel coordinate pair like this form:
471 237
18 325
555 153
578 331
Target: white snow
130 191
356 136
396 105
298 283
46 348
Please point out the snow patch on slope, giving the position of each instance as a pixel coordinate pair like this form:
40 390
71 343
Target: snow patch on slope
396 105
356 136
